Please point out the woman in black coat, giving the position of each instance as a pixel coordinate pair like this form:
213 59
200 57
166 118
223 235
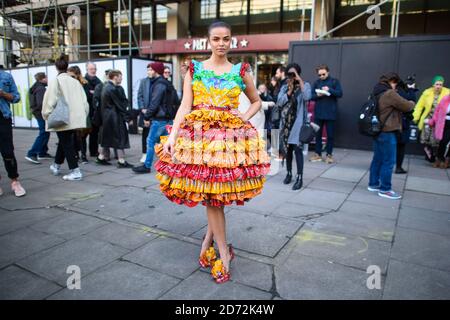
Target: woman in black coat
115 115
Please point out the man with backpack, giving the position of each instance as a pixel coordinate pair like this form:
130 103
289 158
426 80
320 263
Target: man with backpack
390 106
162 110
39 150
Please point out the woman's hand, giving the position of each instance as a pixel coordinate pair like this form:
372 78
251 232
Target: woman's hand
169 146
240 115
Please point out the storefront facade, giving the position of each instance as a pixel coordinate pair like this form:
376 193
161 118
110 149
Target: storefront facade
264 52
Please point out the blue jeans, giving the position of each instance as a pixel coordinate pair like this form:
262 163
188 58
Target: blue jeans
157 129
330 136
384 155
40 147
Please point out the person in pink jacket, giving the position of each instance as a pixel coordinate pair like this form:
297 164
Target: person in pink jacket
441 123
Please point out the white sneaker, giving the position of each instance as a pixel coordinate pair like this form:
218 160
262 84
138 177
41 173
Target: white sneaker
144 156
54 168
74 175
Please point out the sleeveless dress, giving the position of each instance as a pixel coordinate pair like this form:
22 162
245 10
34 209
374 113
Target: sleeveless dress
218 158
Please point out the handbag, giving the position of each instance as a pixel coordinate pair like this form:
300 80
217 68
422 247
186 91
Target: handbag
307 131
59 117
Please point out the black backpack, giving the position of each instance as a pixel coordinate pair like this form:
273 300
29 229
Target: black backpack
369 123
369 118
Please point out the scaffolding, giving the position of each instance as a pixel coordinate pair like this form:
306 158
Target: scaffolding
53 27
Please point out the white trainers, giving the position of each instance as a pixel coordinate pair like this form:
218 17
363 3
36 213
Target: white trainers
74 175
17 188
54 168
144 156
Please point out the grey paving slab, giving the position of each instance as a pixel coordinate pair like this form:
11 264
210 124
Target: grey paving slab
172 217
426 171
55 194
428 185
30 184
200 286
344 173
69 225
121 202
320 198
299 211
370 209
169 256
349 250
332 185
407 281
14 220
87 253
24 242
276 186
361 194
303 277
252 273
107 177
428 201
425 220
357 224
260 234
121 235
268 200
422 248
19 284
120 280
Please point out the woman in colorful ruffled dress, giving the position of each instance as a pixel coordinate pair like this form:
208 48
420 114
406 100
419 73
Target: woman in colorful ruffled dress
213 155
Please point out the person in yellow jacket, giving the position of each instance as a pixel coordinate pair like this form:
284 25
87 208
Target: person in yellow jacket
424 111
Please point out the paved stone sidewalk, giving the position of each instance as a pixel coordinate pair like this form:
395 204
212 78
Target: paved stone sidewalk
316 243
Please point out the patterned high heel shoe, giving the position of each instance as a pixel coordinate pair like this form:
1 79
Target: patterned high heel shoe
209 256
218 272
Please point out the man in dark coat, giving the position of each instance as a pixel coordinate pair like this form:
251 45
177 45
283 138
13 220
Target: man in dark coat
39 150
157 113
115 115
93 81
325 92
144 98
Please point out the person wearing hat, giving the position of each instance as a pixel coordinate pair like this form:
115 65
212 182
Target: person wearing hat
157 113
424 111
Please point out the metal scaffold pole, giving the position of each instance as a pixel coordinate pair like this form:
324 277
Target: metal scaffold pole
88 25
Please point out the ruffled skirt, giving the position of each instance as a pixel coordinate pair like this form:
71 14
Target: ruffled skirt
218 160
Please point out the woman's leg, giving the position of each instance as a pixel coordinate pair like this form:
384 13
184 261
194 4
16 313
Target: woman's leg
299 160
216 222
400 154
444 142
207 240
66 141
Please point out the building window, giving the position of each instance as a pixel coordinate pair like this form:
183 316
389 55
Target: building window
161 14
230 8
264 16
264 6
142 16
297 5
345 3
208 9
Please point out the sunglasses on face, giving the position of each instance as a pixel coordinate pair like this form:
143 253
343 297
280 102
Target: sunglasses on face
322 74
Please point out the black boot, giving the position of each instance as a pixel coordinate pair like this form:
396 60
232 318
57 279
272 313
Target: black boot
288 178
298 182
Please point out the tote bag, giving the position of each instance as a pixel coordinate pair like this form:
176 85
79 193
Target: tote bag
60 114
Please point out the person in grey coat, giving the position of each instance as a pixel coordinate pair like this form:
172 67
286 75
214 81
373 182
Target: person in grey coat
292 100
144 98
